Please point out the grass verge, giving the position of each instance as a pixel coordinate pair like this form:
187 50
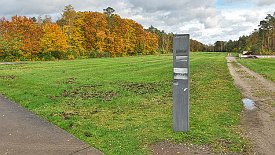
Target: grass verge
265 67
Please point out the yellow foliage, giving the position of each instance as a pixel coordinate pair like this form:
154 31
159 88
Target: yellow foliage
53 39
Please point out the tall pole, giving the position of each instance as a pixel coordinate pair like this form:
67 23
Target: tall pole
181 50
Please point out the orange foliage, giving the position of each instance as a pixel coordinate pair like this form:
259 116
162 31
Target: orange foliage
26 32
75 34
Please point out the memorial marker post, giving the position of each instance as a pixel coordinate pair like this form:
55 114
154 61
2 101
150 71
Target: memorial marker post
181 50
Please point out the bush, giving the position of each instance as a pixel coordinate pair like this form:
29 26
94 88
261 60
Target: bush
98 54
57 54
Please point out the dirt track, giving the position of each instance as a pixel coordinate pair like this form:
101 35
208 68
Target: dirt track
259 123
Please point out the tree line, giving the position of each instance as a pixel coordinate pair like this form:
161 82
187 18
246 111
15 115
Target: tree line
93 34
260 41
75 34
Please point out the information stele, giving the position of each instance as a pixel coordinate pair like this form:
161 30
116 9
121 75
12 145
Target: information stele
181 50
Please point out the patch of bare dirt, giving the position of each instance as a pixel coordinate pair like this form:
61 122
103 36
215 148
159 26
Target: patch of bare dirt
259 123
168 148
71 80
88 92
142 88
7 77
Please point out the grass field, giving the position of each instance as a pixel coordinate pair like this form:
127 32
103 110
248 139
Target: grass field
123 105
265 67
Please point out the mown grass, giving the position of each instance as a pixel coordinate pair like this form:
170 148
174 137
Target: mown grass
123 105
265 67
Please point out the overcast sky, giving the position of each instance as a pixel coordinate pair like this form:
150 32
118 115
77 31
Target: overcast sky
206 20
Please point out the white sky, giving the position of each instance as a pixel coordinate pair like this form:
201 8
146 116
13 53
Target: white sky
206 20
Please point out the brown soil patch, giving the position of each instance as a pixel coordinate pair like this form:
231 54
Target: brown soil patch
259 123
168 148
141 88
7 77
144 88
88 92
71 80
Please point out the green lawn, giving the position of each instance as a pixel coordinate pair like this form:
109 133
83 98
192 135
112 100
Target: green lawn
123 105
265 67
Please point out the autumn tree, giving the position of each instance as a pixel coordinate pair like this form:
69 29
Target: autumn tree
118 33
71 23
95 27
54 41
26 33
10 45
196 46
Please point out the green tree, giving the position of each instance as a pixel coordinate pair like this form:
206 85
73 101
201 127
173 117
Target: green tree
109 11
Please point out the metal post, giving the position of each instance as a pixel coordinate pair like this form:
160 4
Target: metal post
181 50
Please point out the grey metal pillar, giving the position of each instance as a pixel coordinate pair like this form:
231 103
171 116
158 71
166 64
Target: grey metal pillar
181 50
